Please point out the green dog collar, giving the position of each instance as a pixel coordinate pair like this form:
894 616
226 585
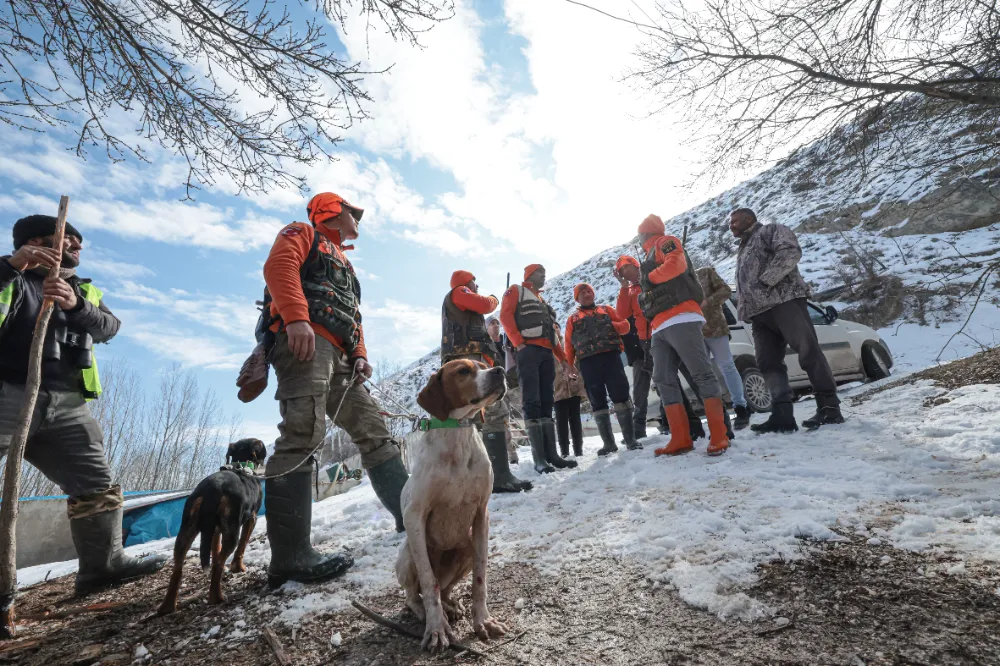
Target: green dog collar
437 424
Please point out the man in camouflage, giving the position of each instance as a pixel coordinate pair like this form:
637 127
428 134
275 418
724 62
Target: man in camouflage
771 295
64 441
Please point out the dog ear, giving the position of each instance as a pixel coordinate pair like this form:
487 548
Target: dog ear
433 398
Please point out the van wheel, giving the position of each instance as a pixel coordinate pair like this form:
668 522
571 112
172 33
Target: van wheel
874 361
755 387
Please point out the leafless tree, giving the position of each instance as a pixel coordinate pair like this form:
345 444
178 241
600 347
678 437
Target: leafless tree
240 90
766 75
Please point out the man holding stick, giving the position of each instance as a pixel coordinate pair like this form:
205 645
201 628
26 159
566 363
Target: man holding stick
64 441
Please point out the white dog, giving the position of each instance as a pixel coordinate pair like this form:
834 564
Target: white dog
444 504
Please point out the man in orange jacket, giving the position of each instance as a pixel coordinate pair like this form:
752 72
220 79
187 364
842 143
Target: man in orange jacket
593 333
626 271
670 300
314 297
464 335
530 324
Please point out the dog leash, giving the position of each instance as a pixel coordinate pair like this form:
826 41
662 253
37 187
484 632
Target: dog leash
354 376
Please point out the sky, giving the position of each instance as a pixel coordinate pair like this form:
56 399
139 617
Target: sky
511 136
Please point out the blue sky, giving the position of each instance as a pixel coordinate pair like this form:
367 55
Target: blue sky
509 138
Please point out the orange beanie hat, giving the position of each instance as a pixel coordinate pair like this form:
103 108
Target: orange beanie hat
461 278
580 287
529 269
626 260
325 205
652 225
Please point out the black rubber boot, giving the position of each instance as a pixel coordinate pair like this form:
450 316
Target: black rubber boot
537 439
742 417
603 421
695 425
103 562
503 480
623 412
551 450
578 445
288 507
729 424
782 420
388 479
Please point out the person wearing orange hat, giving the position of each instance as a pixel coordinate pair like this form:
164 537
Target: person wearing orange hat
530 325
626 271
464 336
312 304
593 333
671 301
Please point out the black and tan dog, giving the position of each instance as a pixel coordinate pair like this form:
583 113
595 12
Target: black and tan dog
222 508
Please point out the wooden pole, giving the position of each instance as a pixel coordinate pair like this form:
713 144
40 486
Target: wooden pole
15 454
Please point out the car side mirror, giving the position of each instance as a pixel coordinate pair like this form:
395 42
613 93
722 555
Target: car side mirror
831 313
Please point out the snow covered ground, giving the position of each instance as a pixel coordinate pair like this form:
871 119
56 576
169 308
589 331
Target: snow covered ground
913 476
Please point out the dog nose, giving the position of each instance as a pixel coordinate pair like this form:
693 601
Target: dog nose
496 371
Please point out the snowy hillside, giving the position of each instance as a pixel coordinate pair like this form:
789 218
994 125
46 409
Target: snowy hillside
926 232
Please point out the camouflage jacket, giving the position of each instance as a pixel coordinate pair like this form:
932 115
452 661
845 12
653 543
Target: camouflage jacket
767 272
717 292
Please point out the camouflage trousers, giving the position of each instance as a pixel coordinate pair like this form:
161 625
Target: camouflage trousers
308 392
65 443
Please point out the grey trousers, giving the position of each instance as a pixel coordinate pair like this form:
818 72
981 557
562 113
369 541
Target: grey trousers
682 343
65 442
642 376
788 325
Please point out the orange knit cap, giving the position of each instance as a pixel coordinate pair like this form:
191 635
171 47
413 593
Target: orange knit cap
325 205
580 287
652 225
626 260
461 278
529 269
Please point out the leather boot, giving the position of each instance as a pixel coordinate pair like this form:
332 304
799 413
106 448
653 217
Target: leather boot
782 420
623 412
103 562
603 421
537 439
716 413
388 479
680 433
288 507
742 417
551 452
827 412
503 480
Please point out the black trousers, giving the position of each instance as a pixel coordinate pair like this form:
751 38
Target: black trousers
789 325
604 375
568 422
536 372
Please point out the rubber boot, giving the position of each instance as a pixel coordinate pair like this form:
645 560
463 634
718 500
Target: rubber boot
603 421
503 480
551 452
564 448
388 479
742 417
288 507
103 562
623 412
694 424
680 434
715 411
782 420
577 447
537 439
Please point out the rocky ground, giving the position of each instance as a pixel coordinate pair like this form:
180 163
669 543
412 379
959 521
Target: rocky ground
850 602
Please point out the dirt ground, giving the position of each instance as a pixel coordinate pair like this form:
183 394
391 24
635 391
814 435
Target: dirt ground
844 603
981 368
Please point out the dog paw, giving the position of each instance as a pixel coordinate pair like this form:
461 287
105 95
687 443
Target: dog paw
453 609
167 609
237 567
216 599
417 608
488 628
437 635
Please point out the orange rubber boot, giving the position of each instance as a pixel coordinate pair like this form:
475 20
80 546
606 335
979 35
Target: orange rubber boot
680 432
716 415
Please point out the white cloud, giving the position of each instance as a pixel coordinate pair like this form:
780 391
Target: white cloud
414 329
233 317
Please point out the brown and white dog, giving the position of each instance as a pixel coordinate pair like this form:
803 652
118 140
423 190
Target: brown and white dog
444 505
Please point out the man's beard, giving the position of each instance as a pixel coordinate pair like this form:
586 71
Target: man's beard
68 260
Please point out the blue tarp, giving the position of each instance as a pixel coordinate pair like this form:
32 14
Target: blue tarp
158 521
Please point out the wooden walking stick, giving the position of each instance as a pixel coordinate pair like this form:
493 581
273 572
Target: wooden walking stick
15 454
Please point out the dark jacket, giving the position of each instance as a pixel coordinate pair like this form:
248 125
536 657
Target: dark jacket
19 326
767 272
